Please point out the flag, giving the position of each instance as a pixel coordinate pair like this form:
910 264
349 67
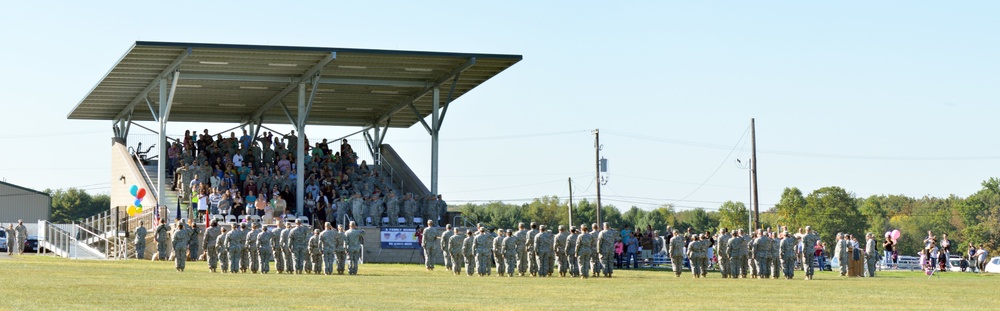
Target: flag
156 215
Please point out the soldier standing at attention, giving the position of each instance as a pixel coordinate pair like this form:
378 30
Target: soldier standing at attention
840 250
522 249
741 260
445 246
584 250
180 238
266 250
140 241
11 241
279 258
775 255
455 244
430 244
327 248
409 209
223 249
693 250
298 239
676 253
722 240
234 242
252 249
509 250
530 249
211 249
871 255
809 239
498 257
315 249
574 264
354 239
161 234
595 259
286 248
392 210
787 247
339 248
606 248
481 246
560 250
544 251
469 252
358 207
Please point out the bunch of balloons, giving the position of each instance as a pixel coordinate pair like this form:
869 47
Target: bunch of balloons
894 235
138 193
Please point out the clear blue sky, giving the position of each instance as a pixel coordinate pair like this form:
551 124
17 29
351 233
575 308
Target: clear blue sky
894 97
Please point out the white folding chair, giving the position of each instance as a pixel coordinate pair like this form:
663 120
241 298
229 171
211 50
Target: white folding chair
230 219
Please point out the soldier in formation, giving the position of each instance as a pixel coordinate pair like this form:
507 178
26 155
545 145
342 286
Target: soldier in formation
354 239
181 237
265 242
315 253
161 234
211 249
430 244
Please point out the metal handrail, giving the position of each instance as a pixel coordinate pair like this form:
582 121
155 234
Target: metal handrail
55 239
383 165
149 181
91 234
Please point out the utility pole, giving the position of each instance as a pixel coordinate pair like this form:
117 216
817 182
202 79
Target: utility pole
571 202
597 170
753 174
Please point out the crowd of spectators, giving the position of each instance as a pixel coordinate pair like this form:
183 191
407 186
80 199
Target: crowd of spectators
249 175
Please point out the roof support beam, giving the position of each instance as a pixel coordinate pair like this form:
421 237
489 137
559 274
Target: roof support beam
151 110
163 74
447 102
419 118
292 85
288 114
276 79
401 105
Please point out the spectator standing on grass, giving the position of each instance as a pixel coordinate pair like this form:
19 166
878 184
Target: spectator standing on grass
973 263
929 240
631 248
887 247
820 254
933 255
647 245
619 250
981 260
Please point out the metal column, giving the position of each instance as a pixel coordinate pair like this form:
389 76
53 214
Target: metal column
300 153
161 168
435 129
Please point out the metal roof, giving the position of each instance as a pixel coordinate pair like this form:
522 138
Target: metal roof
237 83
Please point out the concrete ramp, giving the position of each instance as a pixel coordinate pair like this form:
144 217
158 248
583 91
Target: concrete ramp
402 173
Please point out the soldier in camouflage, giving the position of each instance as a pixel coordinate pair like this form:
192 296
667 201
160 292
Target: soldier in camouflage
340 248
392 210
595 259
530 250
181 239
559 246
279 254
223 250
787 247
573 266
430 241
354 239
235 241
211 249
522 251
722 240
140 241
469 252
455 244
298 239
481 245
676 253
809 239
446 247
737 255
584 250
315 249
606 248
252 250
498 257
543 250
327 239
409 209
265 246
161 235
509 250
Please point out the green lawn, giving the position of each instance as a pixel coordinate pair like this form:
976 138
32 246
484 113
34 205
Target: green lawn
49 283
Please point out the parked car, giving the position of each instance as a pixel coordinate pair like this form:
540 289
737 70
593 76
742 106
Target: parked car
31 244
993 266
3 240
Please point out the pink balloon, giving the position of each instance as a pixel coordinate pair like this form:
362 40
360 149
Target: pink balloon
895 234
141 193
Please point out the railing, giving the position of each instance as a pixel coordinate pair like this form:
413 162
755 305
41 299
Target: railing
56 240
386 169
145 176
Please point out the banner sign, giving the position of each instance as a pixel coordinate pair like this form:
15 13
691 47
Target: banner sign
399 238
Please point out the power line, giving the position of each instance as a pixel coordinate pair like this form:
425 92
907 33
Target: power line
720 165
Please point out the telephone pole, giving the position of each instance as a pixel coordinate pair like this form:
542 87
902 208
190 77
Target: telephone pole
597 170
571 202
753 174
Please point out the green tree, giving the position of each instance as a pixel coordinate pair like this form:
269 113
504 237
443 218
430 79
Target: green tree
734 215
830 210
74 204
791 210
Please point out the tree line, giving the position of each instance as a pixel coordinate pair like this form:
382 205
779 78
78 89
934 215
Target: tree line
829 210
75 204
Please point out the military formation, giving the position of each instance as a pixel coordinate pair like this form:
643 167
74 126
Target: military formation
758 255
533 250
251 248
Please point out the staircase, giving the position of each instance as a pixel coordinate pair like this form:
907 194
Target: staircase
61 241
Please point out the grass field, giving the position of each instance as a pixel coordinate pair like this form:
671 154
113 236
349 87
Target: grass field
49 283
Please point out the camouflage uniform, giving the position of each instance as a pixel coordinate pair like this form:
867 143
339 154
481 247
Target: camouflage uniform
266 250
375 209
358 209
161 234
392 210
530 250
353 238
279 254
211 249
808 240
181 239
737 256
775 256
871 256
722 241
481 246
509 250
469 252
327 239
140 242
559 244
315 252
606 249
445 246
234 242
584 252
543 251
409 210
252 250
787 247
339 248
522 256
286 249
676 253
430 244
572 263
455 244
223 251
841 253
497 249
297 240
